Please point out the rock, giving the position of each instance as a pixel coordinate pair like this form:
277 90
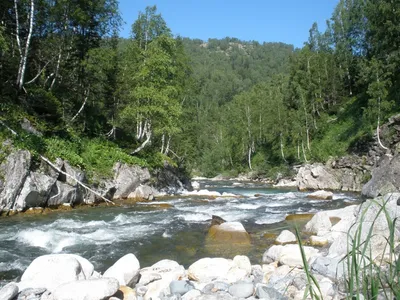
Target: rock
169 270
216 286
180 287
74 172
331 267
240 269
268 293
318 241
147 277
316 177
195 185
286 183
229 232
125 270
257 273
36 190
191 295
319 224
289 255
30 293
49 271
63 193
9 291
385 178
299 217
241 289
93 289
14 171
216 220
128 178
321 195
144 192
208 269
125 293
286 237
172 180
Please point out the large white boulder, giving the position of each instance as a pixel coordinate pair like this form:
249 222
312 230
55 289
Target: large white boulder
207 269
289 255
91 289
319 224
286 237
321 195
50 271
125 270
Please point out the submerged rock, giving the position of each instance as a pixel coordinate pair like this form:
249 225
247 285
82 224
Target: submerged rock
229 232
321 195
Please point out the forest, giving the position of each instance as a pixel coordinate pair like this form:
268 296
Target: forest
72 88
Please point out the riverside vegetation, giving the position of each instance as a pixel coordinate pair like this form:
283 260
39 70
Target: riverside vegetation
77 96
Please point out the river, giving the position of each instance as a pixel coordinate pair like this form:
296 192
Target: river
178 232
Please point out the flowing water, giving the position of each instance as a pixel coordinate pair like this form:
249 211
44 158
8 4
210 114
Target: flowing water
178 232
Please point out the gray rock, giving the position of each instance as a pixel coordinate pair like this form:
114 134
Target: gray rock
385 178
171 297
74 172
93 289
268 293
216 286
14 171
144 192
241 289
216 296
125 270
331 267
9 291
180 287
63 193
36 190
257 273
191 295
316 177
128 178
47 296
31 293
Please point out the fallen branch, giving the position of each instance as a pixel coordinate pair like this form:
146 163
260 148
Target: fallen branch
77 181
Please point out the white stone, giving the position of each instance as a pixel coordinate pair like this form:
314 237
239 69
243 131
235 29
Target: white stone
289 255
240 269
286 237
91 289
9 291
322 195
318 241
191 295
319 224
125 270
207 269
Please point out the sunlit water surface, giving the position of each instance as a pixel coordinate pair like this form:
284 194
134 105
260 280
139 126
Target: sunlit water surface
104 234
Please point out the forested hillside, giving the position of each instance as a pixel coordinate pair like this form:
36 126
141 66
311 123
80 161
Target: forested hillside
72 88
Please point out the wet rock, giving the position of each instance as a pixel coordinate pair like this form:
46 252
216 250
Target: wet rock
9 291
241 289
286 237
207 269
318 241
128 178
289 255
321 195
94 289
14 171
229 232
319 224
180 287
125 270
216 220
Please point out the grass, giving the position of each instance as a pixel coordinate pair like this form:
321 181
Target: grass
368 276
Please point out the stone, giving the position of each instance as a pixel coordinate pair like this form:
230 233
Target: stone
34 193
217 220
208 269
385 178
241 289
128 178
171 180
195 185
144 192
9 291
289 255
316 177
318 241
229 232
321 195
169 270
93 289
286 237
330 267
125 293
319 224
191 295
74 172
125 270
64 193
240 269
268 293
50 271
180 287
216 286
289 183
31 293
14 170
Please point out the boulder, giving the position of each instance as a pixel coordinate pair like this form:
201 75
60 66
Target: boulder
286 237
330 267
208 269
321 195
125 293
191 295
229 232
319 224
289 255
289 183
9 291
385 178
31 293
35 192
316 177
268 293
241 289
125 270
49 271
74 172
240 270
128 178
64 193
93 289
318 241
216 220
169 271
144 192
172 180
14 170
180 287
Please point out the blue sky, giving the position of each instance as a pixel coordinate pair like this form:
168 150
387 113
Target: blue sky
285 21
